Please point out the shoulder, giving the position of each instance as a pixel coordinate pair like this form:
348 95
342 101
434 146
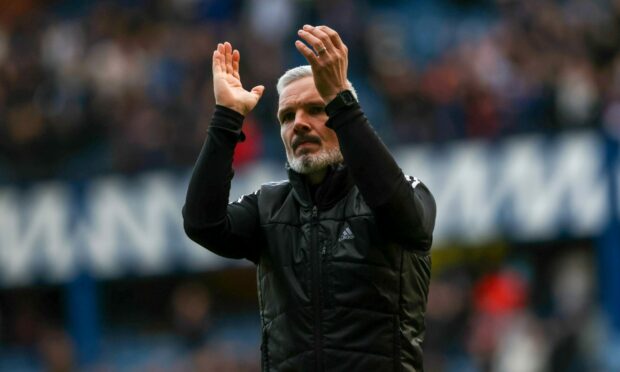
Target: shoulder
422 193
265 188
275 187
417 185
272 197
274 190
275 184
247 198
413 181
267 191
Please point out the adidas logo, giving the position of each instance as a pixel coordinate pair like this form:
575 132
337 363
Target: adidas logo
347 234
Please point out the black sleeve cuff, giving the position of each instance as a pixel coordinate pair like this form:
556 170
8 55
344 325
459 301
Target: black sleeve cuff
344 116
228 120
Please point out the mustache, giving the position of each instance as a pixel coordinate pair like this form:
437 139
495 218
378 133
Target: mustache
304 138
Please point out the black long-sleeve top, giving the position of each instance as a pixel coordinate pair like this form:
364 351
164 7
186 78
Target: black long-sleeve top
398 201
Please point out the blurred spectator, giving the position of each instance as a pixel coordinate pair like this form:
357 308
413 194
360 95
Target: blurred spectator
575 326
191 314
447 314
56 350
482 318
505 335
191 306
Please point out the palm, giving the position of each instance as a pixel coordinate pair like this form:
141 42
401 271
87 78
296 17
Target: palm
229 91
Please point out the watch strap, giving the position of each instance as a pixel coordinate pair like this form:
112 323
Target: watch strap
342 101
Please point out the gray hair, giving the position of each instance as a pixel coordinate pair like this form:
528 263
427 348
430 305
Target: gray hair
301 72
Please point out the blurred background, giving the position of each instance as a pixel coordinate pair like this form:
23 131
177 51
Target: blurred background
508 110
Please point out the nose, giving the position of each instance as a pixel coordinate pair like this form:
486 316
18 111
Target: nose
302 124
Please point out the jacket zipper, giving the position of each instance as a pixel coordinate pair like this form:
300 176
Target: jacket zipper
325 299
316 291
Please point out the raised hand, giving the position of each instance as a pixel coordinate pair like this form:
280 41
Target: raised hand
329 59
227 83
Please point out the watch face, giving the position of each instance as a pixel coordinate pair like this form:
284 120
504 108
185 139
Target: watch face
347 97
342 100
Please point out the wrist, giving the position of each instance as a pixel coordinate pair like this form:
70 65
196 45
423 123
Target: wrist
341 101
328 99
239 110
222 111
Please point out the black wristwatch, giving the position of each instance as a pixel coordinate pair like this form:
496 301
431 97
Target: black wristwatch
342 100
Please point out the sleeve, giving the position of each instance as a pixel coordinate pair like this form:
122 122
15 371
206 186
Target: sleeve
402 205
228 230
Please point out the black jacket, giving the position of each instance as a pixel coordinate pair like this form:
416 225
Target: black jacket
343 270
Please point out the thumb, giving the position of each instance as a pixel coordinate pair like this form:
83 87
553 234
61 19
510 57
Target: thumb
258 91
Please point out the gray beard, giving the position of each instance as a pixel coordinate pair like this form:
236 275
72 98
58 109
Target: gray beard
310 163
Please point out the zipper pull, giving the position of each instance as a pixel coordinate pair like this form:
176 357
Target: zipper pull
323 250
315 211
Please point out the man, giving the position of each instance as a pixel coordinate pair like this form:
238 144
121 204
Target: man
342 247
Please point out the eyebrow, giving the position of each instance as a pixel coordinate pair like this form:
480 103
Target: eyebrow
286 109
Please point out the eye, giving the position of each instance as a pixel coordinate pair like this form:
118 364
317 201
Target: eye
287 117
316 110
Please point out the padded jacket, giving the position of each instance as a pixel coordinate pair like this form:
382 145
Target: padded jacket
342 275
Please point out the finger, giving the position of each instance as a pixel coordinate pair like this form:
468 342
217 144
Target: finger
218 66
306 52
333 36
216 62
221 57
228 57
316 43
321 35
235 63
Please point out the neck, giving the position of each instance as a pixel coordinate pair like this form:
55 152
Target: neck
316 177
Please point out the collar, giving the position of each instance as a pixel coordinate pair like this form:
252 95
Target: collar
335 186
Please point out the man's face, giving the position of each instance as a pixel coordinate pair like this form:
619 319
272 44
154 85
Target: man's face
309 144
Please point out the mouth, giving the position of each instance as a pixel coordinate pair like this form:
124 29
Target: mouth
304 141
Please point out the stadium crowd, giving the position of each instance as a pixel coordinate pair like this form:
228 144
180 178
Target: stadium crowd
123 86
92 88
